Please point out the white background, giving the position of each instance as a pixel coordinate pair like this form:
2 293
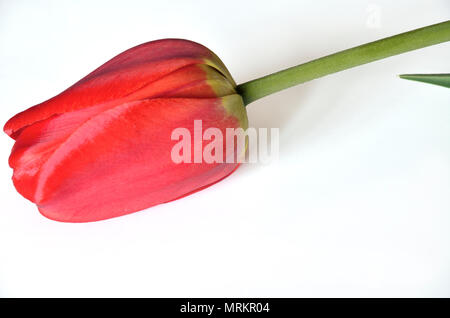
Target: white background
357 205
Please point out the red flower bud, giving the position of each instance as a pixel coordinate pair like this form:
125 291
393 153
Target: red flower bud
102 148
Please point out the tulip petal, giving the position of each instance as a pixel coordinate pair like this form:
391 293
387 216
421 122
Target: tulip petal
119 161
123 75
192 81
37 142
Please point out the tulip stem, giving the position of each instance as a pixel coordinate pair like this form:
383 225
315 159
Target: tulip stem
397 44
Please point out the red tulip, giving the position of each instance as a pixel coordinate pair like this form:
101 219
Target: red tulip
102 148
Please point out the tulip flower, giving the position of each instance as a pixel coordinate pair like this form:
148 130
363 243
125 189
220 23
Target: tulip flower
102 148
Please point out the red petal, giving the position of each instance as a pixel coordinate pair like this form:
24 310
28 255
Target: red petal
125 74
119 161
37 142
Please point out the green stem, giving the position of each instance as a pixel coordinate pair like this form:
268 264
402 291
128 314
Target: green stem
397 44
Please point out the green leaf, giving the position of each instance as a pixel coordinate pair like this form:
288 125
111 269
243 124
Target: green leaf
436 79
